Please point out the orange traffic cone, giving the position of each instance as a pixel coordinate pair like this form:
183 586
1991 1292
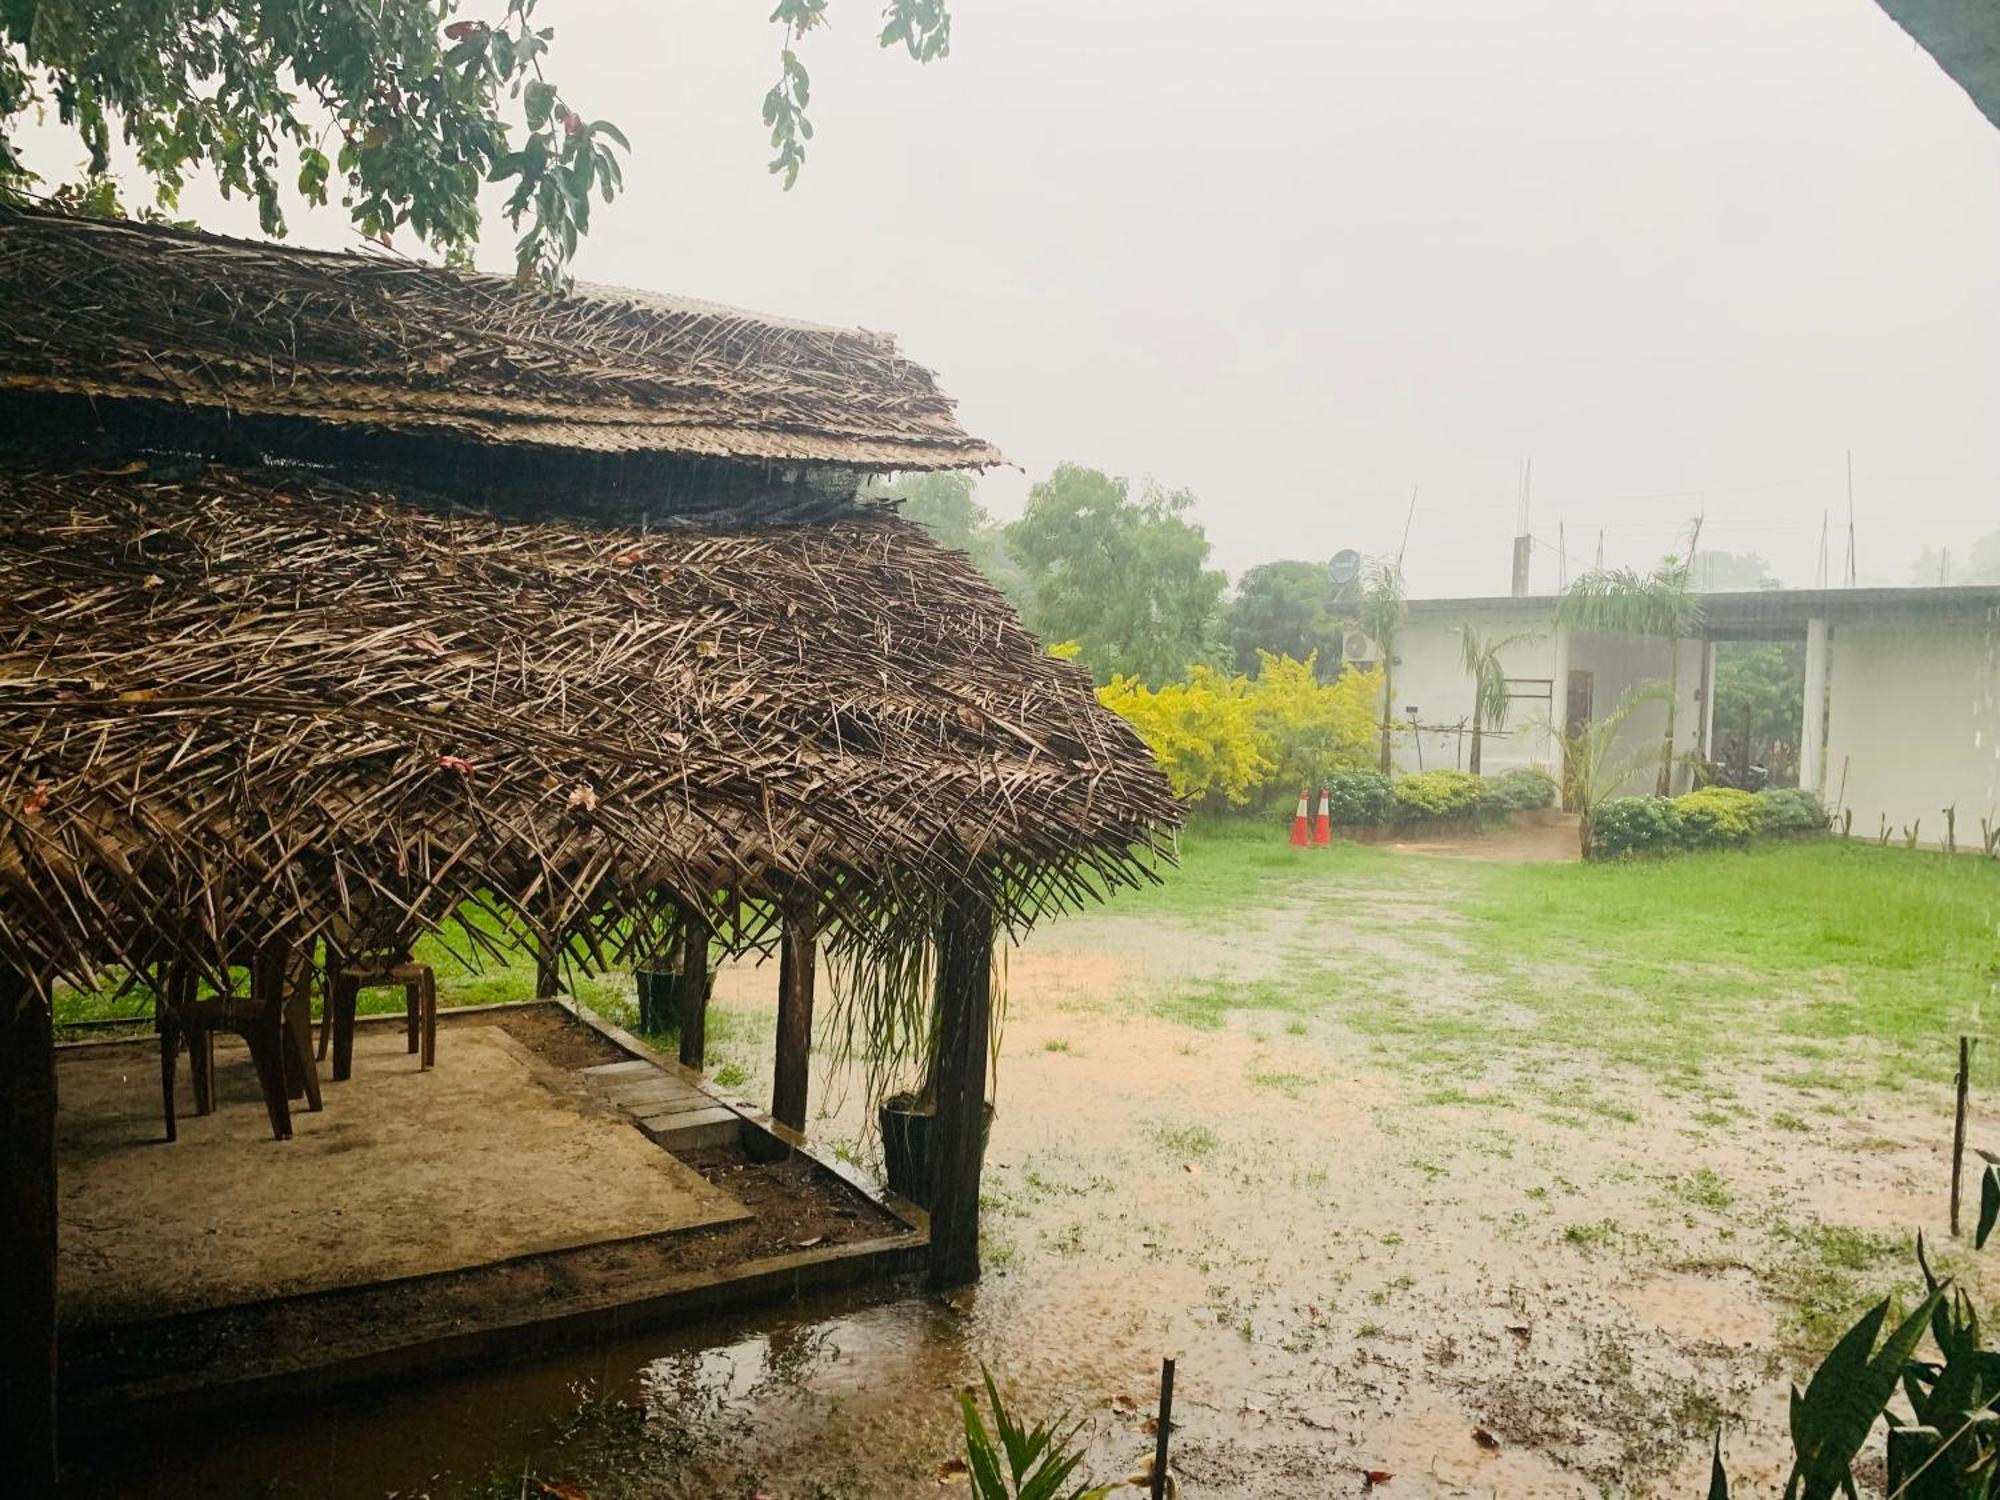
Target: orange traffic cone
1300 837
1323 824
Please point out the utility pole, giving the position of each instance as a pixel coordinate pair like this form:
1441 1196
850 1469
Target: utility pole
1853 563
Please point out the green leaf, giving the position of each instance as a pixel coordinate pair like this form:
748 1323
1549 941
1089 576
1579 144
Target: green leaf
1989 1205
539 100
1834 1416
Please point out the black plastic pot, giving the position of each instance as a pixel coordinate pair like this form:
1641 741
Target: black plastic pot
907 1128
658 1012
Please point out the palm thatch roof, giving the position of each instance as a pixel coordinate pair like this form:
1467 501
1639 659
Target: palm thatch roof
241 701
145 315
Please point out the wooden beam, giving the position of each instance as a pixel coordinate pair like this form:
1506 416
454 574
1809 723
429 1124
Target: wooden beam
958 1138
692 992
795 1016
28 1235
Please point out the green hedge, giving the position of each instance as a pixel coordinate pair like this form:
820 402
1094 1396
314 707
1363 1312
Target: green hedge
1366 799
1713 818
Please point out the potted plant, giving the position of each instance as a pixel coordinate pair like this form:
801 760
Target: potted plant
887 1017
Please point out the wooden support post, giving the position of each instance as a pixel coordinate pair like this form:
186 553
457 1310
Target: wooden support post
27 1235
548 979
1958 1127
692 992
958 1137
795 1016
1166 1429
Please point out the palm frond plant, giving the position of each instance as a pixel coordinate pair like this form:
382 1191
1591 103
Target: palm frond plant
1380 612
1490 698
1661 603
1037 1463
1593 766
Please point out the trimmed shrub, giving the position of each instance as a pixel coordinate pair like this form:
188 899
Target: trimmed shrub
1626 826
1523 789
1791 809
1718 816
1430 795
1358 798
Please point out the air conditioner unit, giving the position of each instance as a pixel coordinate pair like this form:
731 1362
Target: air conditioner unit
1358 649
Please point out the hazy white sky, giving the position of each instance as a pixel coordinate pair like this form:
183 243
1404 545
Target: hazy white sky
1300 256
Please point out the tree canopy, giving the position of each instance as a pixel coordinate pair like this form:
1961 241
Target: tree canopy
1287 608
392 105
1126 579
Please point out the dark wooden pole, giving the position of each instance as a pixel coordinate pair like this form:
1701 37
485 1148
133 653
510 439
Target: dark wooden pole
1958 1126
958 1138
691 994
27 1235
795 1016
1166 1428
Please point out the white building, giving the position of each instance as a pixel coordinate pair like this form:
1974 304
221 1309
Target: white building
1902 693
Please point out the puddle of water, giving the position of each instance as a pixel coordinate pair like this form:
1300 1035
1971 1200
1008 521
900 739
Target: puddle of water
1352 1273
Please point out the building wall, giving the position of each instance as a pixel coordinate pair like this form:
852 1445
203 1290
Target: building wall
1620 664
1431 676
1914 722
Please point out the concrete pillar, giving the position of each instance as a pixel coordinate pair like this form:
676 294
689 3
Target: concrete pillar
1706 747
1812 732
1559 711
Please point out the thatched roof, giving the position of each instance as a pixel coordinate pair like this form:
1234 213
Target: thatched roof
124 313
234 699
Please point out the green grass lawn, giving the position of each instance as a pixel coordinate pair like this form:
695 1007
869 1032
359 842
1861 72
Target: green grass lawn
1837 960
1829 960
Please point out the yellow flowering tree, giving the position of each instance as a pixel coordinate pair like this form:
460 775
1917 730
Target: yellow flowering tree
1220 738
1308 728
1202 731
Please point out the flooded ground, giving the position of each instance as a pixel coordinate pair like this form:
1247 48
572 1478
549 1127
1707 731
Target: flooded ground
1492 1221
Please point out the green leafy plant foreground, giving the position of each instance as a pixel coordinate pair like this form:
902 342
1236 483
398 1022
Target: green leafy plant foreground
1035 1463
1949 1448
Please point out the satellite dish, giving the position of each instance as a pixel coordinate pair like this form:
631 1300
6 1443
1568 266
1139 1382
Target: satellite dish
1344 568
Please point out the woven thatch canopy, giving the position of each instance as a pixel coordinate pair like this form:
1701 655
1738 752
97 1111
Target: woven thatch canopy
292 681
148 314
249 698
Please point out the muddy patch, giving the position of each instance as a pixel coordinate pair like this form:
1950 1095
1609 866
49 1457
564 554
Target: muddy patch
1723 1309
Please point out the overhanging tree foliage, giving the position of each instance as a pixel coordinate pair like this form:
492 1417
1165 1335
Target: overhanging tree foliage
395 107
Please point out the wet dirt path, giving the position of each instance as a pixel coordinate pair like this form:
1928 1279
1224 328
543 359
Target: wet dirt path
1498 1268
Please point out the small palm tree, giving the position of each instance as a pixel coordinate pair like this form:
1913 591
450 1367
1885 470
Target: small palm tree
1490 698
1591 771
1381 616
1661 603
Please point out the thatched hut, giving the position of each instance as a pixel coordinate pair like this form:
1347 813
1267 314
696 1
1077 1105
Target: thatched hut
341 595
